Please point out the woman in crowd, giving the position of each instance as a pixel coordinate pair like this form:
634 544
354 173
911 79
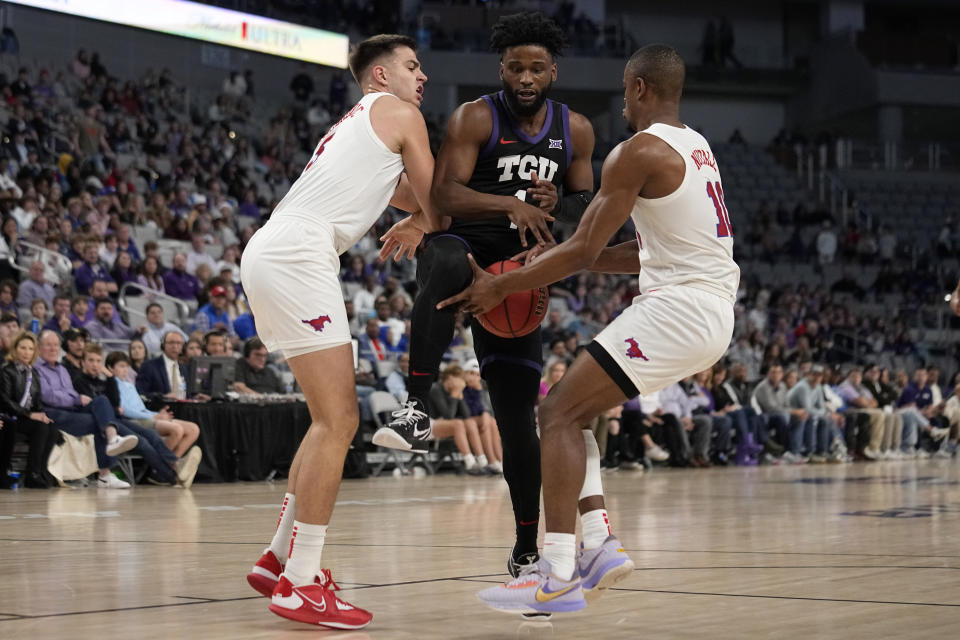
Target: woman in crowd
23 413
137 352
150 276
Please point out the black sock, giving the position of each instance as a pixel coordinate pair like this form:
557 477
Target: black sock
513 391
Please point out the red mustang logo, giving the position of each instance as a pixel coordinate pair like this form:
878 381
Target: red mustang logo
634 350
317 323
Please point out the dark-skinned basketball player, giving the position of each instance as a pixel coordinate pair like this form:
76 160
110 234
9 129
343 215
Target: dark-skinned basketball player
667 180
503 153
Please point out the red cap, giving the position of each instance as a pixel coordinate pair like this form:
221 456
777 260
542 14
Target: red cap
218 291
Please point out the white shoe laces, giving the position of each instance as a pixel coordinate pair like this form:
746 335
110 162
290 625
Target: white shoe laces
408 414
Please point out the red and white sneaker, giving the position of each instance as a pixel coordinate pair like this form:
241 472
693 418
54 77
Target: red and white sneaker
266 573
316 604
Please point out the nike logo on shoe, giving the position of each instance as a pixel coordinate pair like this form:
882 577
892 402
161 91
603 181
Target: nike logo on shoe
546 596
502 141
421 433
319 606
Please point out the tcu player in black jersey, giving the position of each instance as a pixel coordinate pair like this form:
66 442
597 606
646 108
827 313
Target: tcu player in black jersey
498 173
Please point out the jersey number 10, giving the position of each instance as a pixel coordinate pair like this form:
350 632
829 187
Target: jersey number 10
724 228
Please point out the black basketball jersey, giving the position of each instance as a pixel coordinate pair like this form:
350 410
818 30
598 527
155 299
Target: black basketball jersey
504 167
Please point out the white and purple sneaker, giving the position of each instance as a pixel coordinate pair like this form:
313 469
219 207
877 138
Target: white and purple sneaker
603 567
536 590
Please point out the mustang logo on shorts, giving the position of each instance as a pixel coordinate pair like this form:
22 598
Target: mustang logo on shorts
634 350
318 322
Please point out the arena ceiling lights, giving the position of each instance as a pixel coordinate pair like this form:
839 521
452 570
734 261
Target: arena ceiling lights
211 24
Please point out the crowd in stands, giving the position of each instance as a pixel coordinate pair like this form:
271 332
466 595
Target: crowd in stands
124 218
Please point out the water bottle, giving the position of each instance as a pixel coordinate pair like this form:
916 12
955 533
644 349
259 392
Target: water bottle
34 326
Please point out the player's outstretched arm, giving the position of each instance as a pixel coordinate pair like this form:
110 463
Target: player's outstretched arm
467 133
620 258
623 178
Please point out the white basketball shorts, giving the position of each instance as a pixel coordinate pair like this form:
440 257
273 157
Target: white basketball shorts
665 335
290 273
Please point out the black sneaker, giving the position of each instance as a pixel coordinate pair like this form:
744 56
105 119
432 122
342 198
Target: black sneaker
409 430
516 563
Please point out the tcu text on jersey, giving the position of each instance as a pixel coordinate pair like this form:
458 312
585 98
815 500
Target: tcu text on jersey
525 165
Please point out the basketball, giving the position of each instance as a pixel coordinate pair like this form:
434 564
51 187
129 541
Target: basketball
519 313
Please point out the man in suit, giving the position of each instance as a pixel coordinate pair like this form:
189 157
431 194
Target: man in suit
164 375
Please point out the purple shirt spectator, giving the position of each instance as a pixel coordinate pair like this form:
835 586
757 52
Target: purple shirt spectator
56 388
87 274
113 330
178 283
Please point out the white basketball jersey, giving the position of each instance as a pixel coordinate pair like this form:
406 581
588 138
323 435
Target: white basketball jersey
685 237
349 180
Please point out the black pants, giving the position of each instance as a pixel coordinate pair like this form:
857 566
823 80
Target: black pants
41 438
511 367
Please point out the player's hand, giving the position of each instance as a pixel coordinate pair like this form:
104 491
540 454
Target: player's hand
544 192
529 218
533 253
955 300
403 238
479 297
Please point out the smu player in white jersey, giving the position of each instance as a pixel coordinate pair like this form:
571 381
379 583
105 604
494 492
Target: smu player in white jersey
290 274
665 177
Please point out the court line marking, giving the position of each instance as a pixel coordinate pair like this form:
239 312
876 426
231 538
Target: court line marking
461 546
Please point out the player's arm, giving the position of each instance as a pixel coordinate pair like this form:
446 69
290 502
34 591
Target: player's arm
467 133
620 258
623 178
401 127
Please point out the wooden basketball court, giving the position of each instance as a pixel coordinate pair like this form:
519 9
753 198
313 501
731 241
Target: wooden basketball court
851 551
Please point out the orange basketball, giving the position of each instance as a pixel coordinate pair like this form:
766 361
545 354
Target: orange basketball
519 313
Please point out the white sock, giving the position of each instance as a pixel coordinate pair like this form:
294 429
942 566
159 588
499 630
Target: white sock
497 466
306 547
592 479
281 539
482 460
596 528
560 550
469 461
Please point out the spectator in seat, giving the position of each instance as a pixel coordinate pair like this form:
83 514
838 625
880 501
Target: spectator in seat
886 399
770 398
807 394
149 275
137 352
477 398
215 343
8 298
73 342
92 269
861 400
60 320
396 381
253 374
213 315
124 271
38 315
22 409
193 349
450 413
126 243
81 415
370 347
97 382
678 419
105 326
36 287
180 284
726 402
701 404
156 328
917 398
722 424
198 255
164 375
